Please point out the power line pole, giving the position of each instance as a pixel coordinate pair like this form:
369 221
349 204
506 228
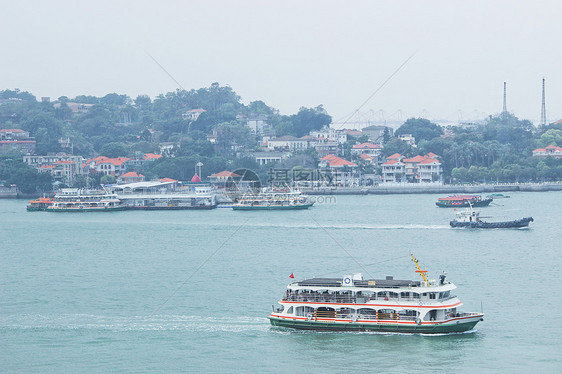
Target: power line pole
543 107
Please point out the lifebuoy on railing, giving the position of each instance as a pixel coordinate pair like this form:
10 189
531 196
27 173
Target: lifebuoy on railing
309 316
355 318
418 321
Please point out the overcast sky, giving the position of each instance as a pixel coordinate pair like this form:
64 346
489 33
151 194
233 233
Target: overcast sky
294 53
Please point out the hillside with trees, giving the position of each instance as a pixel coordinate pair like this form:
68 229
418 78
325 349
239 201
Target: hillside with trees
498 149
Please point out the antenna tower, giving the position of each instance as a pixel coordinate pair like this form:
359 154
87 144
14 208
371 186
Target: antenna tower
504 97
543 106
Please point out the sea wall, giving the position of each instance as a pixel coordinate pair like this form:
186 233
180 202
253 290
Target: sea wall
437 189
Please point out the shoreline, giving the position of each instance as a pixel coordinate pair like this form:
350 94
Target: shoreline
397 189
437 189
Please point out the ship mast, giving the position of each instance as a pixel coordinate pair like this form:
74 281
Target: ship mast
422 272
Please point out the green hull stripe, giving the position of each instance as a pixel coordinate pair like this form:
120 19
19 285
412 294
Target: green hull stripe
326 326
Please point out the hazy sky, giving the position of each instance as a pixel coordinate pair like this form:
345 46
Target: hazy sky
294 53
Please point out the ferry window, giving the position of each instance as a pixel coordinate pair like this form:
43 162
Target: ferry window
415 295
446 294
432 295
393 295
404 295
290 311
424 295
440 295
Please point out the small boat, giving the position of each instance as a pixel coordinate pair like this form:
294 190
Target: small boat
274 200
76 200
463 201
352 303
39 204
470 218
498 196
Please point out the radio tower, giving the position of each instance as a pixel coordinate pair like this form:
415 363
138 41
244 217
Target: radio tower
504 98
543 107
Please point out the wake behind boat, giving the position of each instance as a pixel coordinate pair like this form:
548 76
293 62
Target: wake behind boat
387 305
470 218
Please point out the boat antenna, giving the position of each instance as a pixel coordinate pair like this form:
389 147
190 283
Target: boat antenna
422 272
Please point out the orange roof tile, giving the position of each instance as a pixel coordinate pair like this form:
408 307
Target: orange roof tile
392 162
132 174
151 156
396 155
429 161
225 173
164 180
337 162
416 159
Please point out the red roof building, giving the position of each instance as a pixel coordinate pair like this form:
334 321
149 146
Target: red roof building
130 177
552 151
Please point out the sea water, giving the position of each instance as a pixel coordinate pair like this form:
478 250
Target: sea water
190 291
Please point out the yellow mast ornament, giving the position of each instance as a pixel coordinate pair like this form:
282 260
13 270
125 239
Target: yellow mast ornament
422 272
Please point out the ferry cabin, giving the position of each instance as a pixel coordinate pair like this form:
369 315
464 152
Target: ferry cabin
389 303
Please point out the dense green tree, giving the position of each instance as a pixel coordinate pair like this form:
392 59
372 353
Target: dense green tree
420 129
17 94
397 146
28 180
114 149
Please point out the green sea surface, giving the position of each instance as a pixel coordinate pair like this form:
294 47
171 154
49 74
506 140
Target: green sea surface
190 291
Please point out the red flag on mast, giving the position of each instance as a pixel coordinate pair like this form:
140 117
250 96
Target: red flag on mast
291 276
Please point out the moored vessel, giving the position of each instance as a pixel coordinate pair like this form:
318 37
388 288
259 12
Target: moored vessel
77 200
352 303
463 201
470 218
39 204
274 200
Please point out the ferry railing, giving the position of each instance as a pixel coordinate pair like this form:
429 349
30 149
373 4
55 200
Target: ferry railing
355 299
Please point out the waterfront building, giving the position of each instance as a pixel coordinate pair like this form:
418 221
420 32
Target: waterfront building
552 151
370 149
393 171
109 166
344 172
376 133
130 177
14 141
63 167
413 170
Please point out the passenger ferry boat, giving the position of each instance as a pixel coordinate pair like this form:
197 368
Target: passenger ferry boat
39 204
274 200
76 200
386 305
470 218
463 201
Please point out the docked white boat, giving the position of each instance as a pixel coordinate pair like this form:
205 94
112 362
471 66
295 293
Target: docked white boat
78 200
274 200
352 303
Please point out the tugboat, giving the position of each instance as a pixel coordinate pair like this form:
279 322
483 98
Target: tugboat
352 303
470 218
463 201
